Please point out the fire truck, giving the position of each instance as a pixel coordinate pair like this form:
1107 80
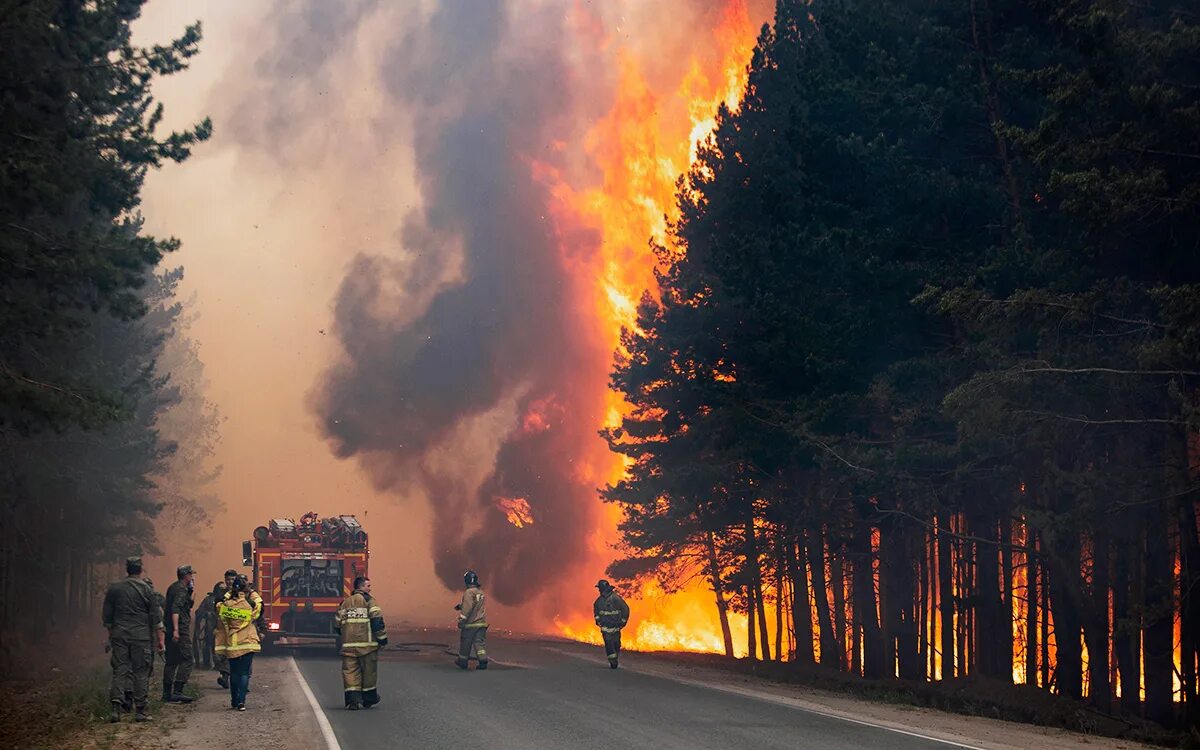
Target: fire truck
304 570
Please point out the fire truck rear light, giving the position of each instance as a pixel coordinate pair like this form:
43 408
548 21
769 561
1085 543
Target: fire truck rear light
273 626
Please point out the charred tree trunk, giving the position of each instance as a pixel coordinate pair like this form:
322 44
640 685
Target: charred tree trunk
837 580
1157 638
946 595
1189 603
1096 627
1031 604
753 558
801 611
865 613
779 606
990 636
816 566
751 634
1127 628
898 579
1067 627
1004 639
714 577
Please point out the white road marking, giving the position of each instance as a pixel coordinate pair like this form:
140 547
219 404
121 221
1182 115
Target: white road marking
331 742
780 700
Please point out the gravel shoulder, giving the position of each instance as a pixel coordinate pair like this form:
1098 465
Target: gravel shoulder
277 713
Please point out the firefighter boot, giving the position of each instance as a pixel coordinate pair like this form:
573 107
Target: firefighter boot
141 715
460 662
114 715
482 664
353 700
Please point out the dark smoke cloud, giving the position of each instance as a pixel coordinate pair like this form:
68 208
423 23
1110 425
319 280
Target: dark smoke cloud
477 312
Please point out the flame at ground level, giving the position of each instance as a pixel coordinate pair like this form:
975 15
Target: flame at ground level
660 621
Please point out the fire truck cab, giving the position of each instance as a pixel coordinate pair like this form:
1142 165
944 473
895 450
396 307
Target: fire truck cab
304 570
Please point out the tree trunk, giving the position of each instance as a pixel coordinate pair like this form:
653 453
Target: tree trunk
753 559
1004 638
1158 635
838 581
751 634
898 580
865 612
1031 605
714 577
1096 628
946 595
779 606
816 566
1069 665
1127 629
988 606
801 609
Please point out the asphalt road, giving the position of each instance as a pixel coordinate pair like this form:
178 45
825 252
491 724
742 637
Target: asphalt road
536 695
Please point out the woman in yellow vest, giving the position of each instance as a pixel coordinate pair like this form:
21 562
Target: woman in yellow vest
237 638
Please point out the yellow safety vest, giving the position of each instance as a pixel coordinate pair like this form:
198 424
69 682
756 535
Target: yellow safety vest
236 635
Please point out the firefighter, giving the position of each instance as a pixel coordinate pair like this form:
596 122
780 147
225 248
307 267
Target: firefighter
360 626
472 624
611 614
132 621
177 617
220 663
237 639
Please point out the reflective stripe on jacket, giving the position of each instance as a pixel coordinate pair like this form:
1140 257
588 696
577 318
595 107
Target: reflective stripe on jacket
360 621
236 635
611 612
472 614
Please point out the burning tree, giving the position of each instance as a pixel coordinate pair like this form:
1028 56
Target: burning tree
922 371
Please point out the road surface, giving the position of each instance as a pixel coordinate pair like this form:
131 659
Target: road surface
542 695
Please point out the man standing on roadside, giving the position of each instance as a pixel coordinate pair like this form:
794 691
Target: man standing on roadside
359 621
611 614
132 620
177 666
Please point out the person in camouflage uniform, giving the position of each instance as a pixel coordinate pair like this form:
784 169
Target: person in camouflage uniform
177 617
134 624
202 633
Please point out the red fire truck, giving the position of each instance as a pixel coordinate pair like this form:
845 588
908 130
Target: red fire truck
304 570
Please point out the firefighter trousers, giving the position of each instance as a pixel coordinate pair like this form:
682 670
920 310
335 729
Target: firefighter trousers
177 666
612 643
472 642
131 664
359 675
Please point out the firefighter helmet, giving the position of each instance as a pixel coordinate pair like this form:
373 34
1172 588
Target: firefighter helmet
470 578
603 585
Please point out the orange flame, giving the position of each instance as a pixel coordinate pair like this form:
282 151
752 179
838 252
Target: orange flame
516 510
642 145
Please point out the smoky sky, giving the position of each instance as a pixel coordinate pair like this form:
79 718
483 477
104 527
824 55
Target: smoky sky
468 308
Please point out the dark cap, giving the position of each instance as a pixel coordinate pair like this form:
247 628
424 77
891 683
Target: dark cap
133 560
603 584
183 570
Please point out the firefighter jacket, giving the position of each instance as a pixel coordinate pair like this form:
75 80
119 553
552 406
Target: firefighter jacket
611 612
236 635
471 613
130 611
179 601
360 621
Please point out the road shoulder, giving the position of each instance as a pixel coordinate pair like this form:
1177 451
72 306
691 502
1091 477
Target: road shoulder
277 712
